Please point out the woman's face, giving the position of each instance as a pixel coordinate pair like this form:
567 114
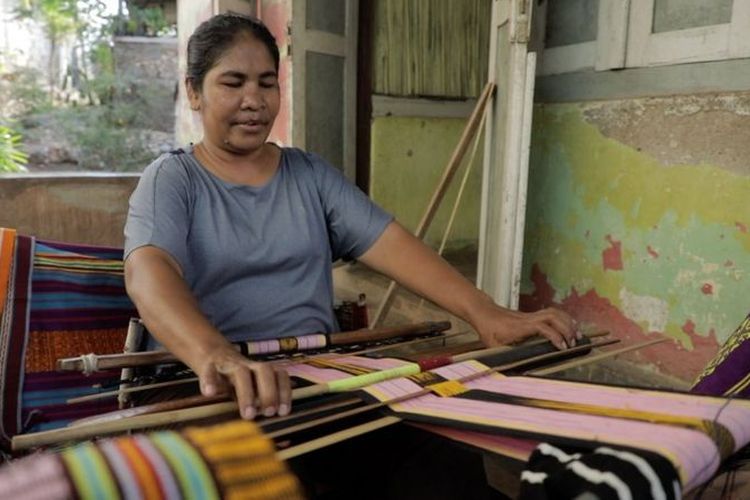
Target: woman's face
239 100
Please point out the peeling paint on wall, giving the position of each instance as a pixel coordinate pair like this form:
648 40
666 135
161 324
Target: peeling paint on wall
635 235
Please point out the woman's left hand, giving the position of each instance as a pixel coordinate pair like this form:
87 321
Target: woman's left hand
499 326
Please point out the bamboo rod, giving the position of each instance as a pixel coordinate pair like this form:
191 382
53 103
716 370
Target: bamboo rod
440 190
90 362
594 358
282 363
336 437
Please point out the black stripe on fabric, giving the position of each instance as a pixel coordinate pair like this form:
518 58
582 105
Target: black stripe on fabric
562 478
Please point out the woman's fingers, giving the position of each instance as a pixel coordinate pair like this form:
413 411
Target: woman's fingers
562 323
241 378
258 387
553 335
268 392
285 392
211 382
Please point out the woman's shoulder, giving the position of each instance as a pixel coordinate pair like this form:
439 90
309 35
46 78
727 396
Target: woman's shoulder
305 162
173 165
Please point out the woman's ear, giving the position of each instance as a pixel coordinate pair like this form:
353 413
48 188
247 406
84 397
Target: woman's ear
193 95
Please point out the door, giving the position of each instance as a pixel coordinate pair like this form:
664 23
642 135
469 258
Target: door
324 71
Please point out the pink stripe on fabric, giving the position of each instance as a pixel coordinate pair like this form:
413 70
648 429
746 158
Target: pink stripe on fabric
308 342
123 473
263 347
517 448
164 472
694 452
38 477
734 415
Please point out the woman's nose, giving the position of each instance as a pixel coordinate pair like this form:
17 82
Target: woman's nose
252 98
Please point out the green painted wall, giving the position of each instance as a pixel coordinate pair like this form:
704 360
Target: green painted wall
408 157
625 238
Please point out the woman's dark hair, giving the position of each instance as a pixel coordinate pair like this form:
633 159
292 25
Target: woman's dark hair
213 37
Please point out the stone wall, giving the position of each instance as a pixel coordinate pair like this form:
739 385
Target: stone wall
147 70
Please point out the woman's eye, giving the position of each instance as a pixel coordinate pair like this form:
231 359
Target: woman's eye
233 84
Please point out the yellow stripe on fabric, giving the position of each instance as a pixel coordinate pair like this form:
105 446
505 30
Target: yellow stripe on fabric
90 473
251 469
229 431
195 478
7 248
739 386
350 383
448 388
274 488
238 448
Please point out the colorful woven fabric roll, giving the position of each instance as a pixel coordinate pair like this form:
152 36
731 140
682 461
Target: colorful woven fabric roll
728 374
59 300
231 461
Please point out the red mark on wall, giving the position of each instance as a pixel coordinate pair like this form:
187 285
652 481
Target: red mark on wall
707 289
689 327
742 227
653 253
591 309
612 256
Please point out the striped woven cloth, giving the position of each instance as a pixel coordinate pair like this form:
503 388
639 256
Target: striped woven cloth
60 300
728 374
232 460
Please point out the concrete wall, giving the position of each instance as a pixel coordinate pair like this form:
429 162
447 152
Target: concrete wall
638 220
84 208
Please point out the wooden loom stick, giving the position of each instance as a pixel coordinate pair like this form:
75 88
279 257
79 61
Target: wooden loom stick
302 359
336 437
88 363
440 190
85 431
594 358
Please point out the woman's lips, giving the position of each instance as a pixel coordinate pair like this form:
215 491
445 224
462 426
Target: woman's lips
251 126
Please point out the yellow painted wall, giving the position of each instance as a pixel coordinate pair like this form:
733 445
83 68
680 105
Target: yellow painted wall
638 220
408 157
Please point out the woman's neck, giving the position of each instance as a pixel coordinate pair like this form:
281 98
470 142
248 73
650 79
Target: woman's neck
253 169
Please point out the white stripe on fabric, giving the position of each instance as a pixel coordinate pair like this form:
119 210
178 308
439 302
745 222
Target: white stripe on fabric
533 477
549 450
657 490
597 477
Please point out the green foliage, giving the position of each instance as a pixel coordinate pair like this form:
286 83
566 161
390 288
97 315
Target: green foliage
25 94
60 17
102 137
12 159
149 21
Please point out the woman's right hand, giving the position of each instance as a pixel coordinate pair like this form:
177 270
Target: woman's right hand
259 387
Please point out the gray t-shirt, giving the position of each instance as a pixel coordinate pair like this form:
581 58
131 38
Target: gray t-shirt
258 259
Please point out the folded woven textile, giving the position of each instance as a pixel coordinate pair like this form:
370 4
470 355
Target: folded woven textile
233 460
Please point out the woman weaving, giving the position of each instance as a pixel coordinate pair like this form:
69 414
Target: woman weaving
234 238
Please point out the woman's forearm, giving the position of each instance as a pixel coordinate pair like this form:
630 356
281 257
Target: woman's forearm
401 256
168 308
